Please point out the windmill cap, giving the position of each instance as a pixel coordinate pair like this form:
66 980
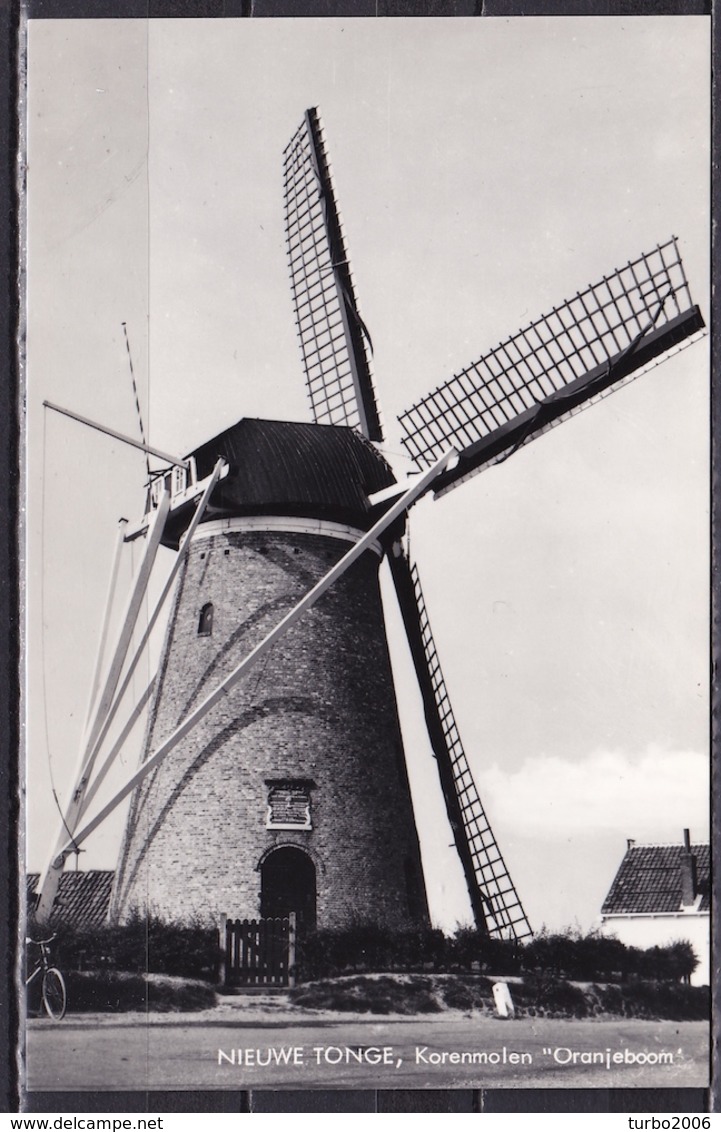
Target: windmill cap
294 468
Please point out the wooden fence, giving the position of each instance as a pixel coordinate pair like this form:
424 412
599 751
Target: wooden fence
258 953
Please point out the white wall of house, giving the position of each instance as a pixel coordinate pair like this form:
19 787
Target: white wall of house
656 931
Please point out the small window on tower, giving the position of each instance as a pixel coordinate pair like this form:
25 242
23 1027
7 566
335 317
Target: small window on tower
288 805
205 621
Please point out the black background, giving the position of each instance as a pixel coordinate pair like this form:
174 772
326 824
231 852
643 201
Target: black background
11 183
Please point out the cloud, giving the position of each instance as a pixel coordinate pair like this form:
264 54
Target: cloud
651 797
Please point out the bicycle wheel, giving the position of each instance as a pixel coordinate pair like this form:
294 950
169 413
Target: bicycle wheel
54 996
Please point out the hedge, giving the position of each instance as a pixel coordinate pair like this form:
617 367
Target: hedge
143 945
152 945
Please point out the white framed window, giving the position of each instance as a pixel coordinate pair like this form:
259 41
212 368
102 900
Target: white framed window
174 481
180 479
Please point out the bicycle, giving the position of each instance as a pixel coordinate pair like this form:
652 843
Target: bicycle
52 987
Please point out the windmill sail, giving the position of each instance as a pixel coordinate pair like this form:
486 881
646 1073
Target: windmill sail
333 339
605 335
497 909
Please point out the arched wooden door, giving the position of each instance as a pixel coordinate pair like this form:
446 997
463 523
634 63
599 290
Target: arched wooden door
287 884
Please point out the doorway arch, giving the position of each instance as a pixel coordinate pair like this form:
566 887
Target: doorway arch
288 884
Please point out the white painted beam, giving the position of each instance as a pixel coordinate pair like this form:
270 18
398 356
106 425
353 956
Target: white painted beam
106 618
50 878
117 699
417 489
166 456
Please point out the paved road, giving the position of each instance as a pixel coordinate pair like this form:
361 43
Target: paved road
222 1049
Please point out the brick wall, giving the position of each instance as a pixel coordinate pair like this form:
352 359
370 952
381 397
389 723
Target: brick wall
318 707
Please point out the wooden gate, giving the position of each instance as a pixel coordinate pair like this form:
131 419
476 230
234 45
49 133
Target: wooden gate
258 953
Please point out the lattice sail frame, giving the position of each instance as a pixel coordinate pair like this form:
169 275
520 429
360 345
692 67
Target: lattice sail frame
554 366
496 906
334 342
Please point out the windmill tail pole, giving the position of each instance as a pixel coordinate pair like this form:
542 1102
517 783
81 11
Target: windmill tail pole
419 487
166 456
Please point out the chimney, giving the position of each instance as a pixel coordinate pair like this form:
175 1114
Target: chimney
688 873
630 842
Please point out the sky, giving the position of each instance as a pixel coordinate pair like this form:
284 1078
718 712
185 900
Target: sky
486 170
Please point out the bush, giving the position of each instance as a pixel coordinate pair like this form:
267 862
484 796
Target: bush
368 947
577 956
595 958
143 945
363 995
549 997
114 992
675 961
609 999
500 956
458 996
674 1001
465 994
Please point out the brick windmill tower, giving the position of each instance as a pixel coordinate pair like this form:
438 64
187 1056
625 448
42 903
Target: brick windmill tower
273 777
292 794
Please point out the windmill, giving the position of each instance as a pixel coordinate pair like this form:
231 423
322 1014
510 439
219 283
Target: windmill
273 774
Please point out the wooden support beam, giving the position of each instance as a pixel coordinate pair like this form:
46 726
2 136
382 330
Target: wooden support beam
85 791
165 456
419 487
118 697
50 878
122 525
101 772
127 624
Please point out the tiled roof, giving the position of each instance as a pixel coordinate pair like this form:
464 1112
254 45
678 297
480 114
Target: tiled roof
82 899
649 880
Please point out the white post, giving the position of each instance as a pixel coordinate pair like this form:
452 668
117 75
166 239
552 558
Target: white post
222 941
291 949
503 1001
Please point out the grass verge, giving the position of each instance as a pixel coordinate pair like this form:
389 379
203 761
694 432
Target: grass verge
532 997
115 992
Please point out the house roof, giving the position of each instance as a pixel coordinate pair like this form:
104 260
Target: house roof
83 897
649 880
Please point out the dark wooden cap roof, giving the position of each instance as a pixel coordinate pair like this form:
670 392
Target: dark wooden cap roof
293 468
649 880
